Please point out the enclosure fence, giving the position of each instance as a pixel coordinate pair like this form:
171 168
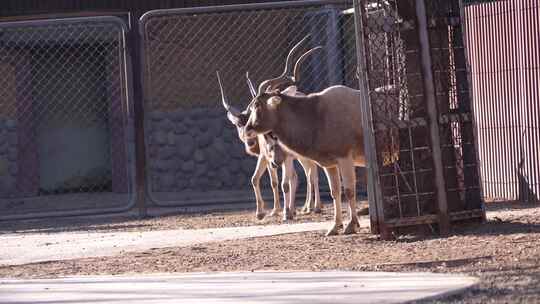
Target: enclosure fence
67 123
64 124
504 52
194 155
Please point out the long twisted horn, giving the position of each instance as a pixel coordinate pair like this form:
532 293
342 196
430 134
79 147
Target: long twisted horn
298 64
275 82
251 86
234 111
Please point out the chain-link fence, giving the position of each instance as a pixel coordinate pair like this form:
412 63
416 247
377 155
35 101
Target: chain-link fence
64 127
193 151
424 160
66 131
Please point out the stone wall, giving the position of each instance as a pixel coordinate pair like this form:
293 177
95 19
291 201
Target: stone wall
199 150
196 149
8 157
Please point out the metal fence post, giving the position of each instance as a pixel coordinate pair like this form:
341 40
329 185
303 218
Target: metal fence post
464 29
138 104
374 191
429 89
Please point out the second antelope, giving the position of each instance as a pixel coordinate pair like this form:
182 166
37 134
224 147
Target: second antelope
270 155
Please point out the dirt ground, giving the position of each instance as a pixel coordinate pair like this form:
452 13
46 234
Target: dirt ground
504 252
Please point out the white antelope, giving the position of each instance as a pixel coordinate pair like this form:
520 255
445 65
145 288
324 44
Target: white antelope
270 156
325 127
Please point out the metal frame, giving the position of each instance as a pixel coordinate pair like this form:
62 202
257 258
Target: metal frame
471 98
430 120
126 78
433 115
205 10
372 168
239 7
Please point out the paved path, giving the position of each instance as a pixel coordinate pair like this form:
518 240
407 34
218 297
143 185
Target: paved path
238 288
19 249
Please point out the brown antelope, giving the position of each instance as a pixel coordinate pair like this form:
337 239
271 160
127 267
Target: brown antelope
269 156
325 127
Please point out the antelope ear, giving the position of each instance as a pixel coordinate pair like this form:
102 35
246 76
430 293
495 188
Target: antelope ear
291 90
274 101
234 119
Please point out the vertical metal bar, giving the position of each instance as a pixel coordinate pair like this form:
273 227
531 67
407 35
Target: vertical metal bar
516 155
529 85
472 33
376 210
512 99
413 164
522 45
398 193
499 114
464 29
138 104
429 88
535 70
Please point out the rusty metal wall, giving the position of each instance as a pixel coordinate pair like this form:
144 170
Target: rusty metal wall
504 53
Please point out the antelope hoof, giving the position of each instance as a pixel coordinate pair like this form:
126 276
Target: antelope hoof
317 210
334 230
275 212
363 211
288 215
351 227
305 210
260 215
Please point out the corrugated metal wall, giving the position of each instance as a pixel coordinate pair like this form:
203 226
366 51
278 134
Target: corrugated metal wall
504 52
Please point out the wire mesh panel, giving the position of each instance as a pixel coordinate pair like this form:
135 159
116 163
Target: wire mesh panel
417 86
193 152
64 127
459 154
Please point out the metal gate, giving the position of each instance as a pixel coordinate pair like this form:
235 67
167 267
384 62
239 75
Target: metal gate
194 155
419 122
65 127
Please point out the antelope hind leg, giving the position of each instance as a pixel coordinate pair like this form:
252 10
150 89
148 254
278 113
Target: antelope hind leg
332 174
275 190
348 176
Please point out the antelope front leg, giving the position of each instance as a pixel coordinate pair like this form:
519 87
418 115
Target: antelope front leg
332 174
314 177
348 177
306 209
293 184
256 183
289 184
275 189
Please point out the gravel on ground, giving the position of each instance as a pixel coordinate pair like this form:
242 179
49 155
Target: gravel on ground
504 252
